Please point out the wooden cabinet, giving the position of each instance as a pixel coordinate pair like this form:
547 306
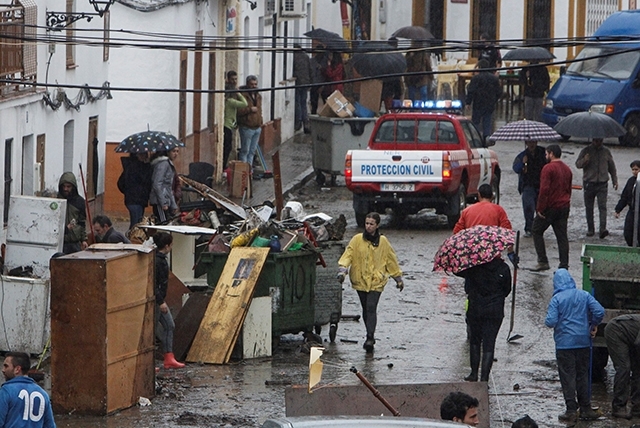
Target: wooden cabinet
102 331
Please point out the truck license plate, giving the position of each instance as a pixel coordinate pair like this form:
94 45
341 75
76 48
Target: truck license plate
398 187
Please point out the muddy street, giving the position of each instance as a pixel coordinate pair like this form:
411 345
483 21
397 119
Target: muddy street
421 334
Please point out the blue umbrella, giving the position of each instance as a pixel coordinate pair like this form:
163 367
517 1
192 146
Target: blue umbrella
149 142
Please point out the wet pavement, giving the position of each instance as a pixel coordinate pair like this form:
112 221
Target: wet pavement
421 335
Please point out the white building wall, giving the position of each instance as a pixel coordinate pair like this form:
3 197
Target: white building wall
136 67
26 116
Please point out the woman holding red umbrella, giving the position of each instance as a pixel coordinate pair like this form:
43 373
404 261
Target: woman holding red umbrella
488 285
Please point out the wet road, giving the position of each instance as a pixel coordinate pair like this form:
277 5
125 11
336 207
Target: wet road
421 331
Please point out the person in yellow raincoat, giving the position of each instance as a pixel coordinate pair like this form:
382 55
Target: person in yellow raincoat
370 261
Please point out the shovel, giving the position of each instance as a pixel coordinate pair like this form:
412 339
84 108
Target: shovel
513 295
375 392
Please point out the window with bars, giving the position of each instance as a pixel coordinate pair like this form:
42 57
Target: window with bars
597 12
18 55
269 7
485 20
538 31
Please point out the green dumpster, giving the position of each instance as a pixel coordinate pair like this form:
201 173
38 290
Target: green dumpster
612 275
288 277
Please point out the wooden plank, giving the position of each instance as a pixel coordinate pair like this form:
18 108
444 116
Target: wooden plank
227 309
187 323
175 290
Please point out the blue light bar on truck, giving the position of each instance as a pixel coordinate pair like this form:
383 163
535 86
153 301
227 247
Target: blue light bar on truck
429 105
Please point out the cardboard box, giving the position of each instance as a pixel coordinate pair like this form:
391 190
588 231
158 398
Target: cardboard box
240 179
337 106
370 94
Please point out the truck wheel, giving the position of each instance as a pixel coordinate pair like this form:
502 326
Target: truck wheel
457 203
632 137
320 178
495 187
360 208
333 328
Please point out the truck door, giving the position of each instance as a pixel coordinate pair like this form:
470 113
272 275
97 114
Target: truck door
481 157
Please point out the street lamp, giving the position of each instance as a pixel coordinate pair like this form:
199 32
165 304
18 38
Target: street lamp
57 21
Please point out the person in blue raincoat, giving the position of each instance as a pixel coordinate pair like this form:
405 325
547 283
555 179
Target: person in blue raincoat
574 315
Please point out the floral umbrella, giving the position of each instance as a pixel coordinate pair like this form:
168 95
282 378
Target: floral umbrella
472 247
148 142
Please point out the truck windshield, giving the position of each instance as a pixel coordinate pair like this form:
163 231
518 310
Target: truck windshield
612 65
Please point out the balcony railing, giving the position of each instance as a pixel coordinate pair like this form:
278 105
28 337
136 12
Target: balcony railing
17 52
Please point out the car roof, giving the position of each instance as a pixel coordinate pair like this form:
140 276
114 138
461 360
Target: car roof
423 115
358 421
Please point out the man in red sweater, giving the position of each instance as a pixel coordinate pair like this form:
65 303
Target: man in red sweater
484 212
552 209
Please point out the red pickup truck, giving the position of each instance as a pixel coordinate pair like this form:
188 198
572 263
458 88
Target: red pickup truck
418 160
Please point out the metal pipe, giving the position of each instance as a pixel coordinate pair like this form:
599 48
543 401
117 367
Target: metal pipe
375 392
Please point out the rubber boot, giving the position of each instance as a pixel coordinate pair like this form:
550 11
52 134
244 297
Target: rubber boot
474 359
170 361
487 362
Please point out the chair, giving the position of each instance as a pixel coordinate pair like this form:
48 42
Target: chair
202 172
449 80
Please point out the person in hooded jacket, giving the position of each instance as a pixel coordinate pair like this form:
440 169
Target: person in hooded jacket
75 234
161 197
370 260
135 185
487 285
574 315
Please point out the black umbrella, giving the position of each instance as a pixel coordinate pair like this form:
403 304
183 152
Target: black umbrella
331 40
413 32
378 63
586 124
529 53
148 142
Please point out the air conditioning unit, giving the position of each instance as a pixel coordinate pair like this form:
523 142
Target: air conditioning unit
293 9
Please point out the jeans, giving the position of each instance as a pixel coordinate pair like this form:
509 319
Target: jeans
136 212
369 301
166 321
533 108
573 369
590 193
529 201
228 145
556 218
482 120
248 144
301 115
422 90
626 361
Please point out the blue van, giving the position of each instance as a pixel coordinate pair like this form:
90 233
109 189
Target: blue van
605 77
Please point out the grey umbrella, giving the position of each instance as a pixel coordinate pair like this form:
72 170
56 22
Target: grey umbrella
530 53
377 58
332 41
586 124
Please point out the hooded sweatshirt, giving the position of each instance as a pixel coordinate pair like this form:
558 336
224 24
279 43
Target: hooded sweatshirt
76 211
571 313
